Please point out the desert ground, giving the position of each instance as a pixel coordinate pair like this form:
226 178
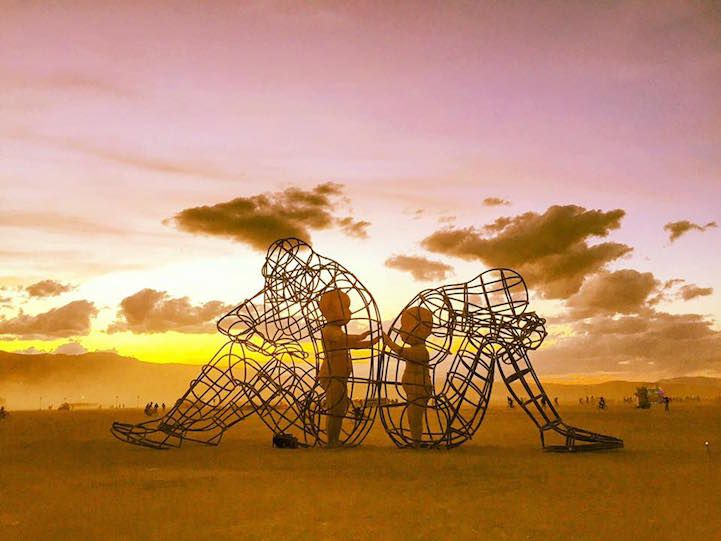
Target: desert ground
63 476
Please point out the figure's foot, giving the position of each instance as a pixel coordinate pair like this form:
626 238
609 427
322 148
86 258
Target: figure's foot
156 434
578 439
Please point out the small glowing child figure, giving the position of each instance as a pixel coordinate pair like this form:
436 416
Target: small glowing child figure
416 326
337 364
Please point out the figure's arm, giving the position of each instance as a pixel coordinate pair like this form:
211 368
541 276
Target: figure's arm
356 341
391 344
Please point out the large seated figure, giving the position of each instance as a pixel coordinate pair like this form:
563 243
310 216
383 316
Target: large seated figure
436 385
290 359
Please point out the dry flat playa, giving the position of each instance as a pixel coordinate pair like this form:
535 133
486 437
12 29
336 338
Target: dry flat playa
63 476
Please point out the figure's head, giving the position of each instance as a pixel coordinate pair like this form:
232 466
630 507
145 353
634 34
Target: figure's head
501 291
335 306
416 325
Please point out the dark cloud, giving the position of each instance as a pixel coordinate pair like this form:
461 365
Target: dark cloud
691 291
625 291
152 311
421 268
658 342
72 319
676 229
354 228
495 202
47 288
673 282
550 250
258 220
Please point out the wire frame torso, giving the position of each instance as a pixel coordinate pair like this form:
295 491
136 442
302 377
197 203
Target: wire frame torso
270 365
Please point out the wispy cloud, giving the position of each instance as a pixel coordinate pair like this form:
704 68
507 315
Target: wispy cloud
57 223
677 229
128 158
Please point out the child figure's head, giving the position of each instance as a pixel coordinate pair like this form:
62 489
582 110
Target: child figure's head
416 325
335 306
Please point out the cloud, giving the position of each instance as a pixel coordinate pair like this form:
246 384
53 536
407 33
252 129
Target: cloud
550 250
72 319
47 288
72 81
625 291
132 159
495 202
676 229
152 311
53 222
258 220
673 344
691 291
354 228
70 348
421 268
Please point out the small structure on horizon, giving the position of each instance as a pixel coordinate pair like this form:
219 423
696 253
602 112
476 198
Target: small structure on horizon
642 400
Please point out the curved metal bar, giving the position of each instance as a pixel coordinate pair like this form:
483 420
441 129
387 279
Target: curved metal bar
278 344
476 326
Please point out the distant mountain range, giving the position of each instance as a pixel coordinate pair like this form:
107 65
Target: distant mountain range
106 378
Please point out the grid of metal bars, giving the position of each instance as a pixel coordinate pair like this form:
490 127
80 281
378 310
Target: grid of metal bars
269 366
477 326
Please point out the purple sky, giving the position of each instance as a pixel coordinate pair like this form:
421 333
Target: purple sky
117 115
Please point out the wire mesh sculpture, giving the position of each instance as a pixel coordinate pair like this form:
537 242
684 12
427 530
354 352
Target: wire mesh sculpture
452 339
289 359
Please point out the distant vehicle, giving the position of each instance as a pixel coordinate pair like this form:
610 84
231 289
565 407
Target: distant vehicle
642 398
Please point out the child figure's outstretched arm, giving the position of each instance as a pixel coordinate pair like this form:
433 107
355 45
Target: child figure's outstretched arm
391 344
356 341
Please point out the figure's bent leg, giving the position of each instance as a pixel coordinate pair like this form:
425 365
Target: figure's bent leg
523 384
214 401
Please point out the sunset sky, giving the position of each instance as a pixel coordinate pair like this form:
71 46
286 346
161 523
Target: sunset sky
417 143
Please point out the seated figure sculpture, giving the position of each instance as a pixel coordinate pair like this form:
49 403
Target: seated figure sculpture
289 359
468 330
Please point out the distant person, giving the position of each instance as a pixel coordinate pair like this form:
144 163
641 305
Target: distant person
580 401
601 403
163 407
510 402
666 401
555 401
3 413
587 400
155 409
